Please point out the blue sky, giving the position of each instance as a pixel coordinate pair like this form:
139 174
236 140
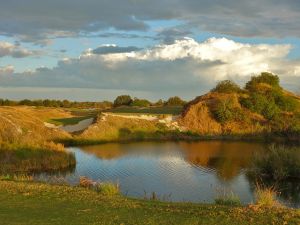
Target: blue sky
49 46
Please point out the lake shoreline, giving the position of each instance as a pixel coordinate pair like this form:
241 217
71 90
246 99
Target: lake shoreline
74 142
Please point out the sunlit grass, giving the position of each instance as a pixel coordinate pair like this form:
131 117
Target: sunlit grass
266 196
38 203
172 110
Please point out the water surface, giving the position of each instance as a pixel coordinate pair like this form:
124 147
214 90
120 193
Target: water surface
177 171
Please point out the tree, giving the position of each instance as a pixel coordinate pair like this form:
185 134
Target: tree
175 101
160 102
122 100
227 86
140 102
266 78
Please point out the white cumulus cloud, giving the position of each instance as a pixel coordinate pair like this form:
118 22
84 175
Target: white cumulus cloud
185 68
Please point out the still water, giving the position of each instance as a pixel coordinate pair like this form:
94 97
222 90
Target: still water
177 171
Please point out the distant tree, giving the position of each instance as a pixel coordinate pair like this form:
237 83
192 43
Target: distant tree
25 102
140 102
175 101
227 86
122 100
160 102
66 103
266 78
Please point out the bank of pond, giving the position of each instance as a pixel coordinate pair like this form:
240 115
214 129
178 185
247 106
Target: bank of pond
202 171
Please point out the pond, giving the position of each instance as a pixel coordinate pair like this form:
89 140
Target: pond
177 171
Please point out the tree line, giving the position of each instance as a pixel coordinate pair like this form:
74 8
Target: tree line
122 100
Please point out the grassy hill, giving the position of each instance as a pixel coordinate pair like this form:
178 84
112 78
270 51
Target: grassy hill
26 144
261 108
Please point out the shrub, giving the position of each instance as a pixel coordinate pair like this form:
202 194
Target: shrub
261 104
226 111
265 77
122 100
286 103
266 197
175 101
140 102
270 111
227 86
108 188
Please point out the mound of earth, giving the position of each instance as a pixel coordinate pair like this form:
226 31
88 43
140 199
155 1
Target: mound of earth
198 116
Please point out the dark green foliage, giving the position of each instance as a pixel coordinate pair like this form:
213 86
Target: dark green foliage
287 103
122 100
56 103
175 101
270 111
266 78
261 104
160 102
226 111
279 162
140 102
227 86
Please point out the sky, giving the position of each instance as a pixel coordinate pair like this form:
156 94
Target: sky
95 50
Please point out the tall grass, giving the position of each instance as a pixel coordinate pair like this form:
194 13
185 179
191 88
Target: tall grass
227 198
266 196
104 188
279 162
28 159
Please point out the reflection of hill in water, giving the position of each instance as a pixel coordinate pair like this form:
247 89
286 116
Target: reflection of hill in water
106 151
227 158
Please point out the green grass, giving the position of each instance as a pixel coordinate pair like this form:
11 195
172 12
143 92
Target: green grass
68 121
173 110
229 199
37 203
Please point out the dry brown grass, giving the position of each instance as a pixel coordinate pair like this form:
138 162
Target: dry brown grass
117 128
25 126
198 117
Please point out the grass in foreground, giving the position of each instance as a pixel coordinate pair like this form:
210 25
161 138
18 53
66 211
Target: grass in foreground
37 203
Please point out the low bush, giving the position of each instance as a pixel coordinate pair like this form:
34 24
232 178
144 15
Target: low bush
226 111
227 86
266 197
108 188
104 188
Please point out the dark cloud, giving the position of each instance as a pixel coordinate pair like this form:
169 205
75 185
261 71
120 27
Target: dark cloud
38 21
169 35
102 50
